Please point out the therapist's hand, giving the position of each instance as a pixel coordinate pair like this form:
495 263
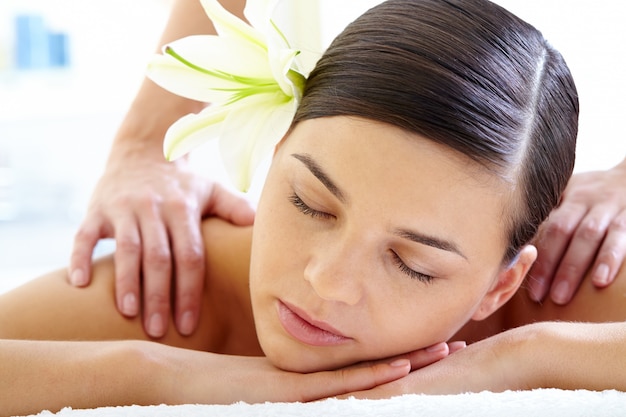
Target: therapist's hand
584 236
153 209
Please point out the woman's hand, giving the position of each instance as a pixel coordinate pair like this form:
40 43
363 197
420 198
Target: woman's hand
494 364
201 377
587 232
153 209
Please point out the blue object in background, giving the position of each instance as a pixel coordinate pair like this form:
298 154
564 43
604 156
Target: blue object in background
58 49
36 47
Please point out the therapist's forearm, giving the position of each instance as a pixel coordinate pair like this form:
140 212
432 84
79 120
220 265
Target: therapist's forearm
154 109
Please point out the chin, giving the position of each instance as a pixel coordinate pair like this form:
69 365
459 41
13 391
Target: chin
302 360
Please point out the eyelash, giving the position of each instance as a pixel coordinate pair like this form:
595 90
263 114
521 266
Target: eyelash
410 272
305 209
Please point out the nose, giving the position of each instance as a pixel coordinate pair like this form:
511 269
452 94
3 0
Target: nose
336 271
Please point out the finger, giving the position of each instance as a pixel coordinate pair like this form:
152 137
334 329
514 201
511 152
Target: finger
554 237
156 273
580 253
85 241
424 357
334 383
127 264
611 253
229 206
456 346
188 252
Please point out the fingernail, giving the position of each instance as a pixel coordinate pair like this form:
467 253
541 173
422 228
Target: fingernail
602 274
156 327
130 307
457 345
560 295
439 347
78 278
186 323
400 363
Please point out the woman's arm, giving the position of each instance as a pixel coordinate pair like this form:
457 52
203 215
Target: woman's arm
45 375
541 355
38 376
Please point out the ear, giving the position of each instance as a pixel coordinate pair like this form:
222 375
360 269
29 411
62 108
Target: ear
507 283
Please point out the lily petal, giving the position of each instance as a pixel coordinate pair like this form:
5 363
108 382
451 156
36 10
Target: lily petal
259 13
231 55
234 64
193 130
251 133
281 63
227 24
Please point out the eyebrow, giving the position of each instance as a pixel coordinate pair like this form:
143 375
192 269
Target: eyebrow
424 239
319 173
432 241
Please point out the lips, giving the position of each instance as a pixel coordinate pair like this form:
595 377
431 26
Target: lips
306 330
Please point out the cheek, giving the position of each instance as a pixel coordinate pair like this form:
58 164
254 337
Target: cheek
276 242
424 314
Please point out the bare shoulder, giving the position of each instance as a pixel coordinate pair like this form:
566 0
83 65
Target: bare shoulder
590 304
48 307
227 246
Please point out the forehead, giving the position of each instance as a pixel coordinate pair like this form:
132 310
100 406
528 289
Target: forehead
397 177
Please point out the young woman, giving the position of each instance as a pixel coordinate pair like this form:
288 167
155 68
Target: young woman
432 140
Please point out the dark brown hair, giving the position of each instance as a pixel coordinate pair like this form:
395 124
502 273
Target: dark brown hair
467 74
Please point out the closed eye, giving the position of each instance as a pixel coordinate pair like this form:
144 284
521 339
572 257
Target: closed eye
413 274
305 209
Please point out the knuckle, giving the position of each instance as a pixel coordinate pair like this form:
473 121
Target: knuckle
591 230
610 256
128 244
558 228
180 206
157 255
568 271
190 258
187 300
123 200
159 300
619 223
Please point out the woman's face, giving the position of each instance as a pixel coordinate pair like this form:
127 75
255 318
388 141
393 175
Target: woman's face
369 242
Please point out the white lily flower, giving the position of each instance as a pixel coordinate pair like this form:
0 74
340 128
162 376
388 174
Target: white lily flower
248 73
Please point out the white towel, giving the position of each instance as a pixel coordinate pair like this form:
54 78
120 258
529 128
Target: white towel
535 403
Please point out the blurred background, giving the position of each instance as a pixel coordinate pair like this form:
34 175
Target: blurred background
69 70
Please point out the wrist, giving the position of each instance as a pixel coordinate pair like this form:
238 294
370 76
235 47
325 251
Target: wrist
150 115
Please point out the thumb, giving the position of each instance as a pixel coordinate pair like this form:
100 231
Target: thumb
228 206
